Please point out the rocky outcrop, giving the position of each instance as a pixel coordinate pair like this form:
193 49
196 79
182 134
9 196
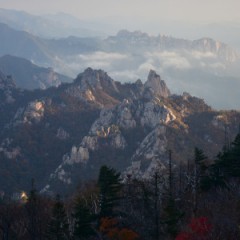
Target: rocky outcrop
33 112
129 127
97 87
156 85
96 79
109 129
150 156
94 86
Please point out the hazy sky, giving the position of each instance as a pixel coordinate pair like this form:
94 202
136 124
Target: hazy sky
186 10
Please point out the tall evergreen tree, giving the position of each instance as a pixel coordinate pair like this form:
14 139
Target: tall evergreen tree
31 206
171 213
228 161
83 220
58 227
199 168
109 187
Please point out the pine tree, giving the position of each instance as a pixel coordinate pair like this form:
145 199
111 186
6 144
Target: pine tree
199 168
172 214
58 228
37 215
32 213
83 220
232 160
109 186
227 164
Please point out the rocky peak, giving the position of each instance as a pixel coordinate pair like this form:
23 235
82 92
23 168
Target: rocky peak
95 80
94 86
156 85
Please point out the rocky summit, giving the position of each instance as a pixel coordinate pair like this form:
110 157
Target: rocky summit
61 136
135 134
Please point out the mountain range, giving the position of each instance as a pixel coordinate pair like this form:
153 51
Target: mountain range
61 136
194 66
60 131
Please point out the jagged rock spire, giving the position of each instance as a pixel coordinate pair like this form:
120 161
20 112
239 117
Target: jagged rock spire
156 84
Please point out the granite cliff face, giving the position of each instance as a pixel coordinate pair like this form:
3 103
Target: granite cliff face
157 85
146 112
94 86
135 134
64 135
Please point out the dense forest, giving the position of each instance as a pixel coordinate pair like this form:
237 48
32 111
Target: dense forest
196 201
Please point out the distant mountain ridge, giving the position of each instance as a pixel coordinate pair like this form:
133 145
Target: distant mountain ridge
48 26
29 46
28 75
138 39
191 66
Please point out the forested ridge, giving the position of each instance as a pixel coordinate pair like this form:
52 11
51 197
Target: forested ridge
199 200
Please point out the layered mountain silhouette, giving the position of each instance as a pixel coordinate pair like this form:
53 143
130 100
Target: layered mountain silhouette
28 75
192 66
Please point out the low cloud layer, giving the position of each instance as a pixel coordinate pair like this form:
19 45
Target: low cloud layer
183 70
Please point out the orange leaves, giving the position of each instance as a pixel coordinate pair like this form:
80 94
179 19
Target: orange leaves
109 228
127 234
107 224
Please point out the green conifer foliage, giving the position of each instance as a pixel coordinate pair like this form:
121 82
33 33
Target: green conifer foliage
229 160
109 186
58 228
83 220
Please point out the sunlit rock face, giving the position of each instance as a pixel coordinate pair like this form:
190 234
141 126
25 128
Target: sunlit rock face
64 138
109 130
94 86
157 85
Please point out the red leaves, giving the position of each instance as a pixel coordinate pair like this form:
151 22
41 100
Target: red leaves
198 229
200 225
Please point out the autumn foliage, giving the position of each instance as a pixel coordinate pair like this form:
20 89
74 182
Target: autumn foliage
199 228
110 228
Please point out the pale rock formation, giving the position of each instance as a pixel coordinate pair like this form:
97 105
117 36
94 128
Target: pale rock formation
219 121
34 112
151 153
131 113
157 85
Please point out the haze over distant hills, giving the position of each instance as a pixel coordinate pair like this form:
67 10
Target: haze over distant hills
28 75
196 66
49 26
61 25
